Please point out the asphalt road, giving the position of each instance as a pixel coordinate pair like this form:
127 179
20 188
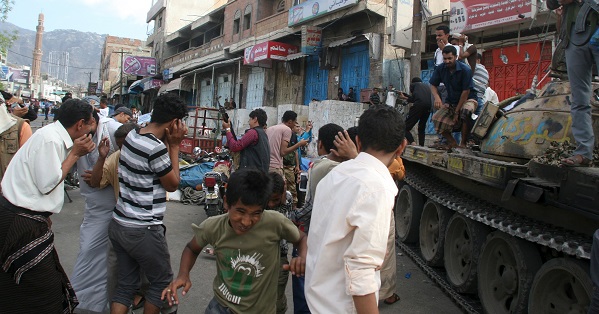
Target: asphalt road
418 294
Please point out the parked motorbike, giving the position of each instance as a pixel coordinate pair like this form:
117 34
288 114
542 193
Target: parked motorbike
214 183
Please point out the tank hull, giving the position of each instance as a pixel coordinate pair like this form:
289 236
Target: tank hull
528 130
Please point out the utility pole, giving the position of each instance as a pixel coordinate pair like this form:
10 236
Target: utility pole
416 54
90 76
122 52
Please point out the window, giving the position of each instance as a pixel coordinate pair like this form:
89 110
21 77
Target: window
247 17
159 24
236 20
281 6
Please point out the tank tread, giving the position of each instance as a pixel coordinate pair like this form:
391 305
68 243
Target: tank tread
470 306
491 215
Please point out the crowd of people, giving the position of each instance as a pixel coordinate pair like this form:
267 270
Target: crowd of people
126 171
342 232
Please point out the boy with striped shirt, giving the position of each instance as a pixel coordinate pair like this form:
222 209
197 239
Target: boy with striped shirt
147 170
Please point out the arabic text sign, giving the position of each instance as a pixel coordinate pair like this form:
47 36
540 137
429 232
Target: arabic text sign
268 50
311 37
141 66
310 9
471 15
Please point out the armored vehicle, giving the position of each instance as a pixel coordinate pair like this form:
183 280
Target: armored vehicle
505 225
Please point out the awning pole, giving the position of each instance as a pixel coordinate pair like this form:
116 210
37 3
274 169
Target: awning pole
193 90
213 96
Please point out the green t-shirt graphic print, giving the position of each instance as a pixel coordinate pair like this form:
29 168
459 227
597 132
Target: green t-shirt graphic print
248 264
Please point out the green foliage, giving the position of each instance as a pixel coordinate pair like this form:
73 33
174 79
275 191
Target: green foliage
6 38
5 7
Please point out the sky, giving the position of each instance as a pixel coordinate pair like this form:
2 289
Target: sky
123 18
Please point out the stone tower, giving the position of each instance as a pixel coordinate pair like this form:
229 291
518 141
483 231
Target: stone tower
37 56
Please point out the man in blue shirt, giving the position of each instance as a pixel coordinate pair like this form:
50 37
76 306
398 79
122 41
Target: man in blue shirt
460 101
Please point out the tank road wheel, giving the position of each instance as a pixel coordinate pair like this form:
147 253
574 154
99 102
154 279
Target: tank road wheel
506 269
408 209
562 285
464 239
433 223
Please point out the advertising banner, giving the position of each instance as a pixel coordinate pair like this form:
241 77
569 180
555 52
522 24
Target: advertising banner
311 39
18 75
311 9
270 50
153 84
473 15
140 66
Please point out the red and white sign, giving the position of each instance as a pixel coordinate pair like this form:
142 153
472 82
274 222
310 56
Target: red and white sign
270 50
470 15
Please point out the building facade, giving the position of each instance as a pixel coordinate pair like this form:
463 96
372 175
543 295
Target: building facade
266 53
113 80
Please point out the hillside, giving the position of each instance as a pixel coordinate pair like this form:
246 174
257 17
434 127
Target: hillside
84 50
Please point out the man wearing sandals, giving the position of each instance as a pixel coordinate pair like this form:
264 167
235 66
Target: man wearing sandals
578 27
460 101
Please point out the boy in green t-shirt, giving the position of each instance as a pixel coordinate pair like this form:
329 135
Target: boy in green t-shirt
246 242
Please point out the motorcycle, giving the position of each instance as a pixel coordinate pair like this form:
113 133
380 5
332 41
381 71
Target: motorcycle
214 183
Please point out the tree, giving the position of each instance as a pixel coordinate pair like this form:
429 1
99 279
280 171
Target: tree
6 38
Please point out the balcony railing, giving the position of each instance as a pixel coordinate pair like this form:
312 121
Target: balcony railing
215 45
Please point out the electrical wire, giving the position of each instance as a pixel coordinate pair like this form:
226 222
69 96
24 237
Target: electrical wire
50 63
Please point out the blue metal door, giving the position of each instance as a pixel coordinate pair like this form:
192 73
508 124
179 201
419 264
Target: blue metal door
317 81
355 68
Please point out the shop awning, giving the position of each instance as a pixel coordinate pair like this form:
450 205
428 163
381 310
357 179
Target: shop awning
294 56
269 50
176 84
340 42
143 85
137 86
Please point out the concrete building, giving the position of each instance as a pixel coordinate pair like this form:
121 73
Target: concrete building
167 16
281 53
516 40
336 45
114 51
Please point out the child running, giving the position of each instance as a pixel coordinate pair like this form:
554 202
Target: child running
246 242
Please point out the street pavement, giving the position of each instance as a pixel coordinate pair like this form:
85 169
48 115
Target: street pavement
418 294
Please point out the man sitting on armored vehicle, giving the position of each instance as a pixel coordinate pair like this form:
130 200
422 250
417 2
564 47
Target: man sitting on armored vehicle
460 101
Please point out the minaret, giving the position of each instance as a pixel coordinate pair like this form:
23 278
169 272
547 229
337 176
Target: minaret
37 56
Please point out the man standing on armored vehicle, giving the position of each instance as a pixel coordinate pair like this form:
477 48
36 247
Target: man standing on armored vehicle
577 29
454 112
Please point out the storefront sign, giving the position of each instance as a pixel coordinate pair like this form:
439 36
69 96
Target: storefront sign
153 83
141 66
311 9
471 15
311 39
270 50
